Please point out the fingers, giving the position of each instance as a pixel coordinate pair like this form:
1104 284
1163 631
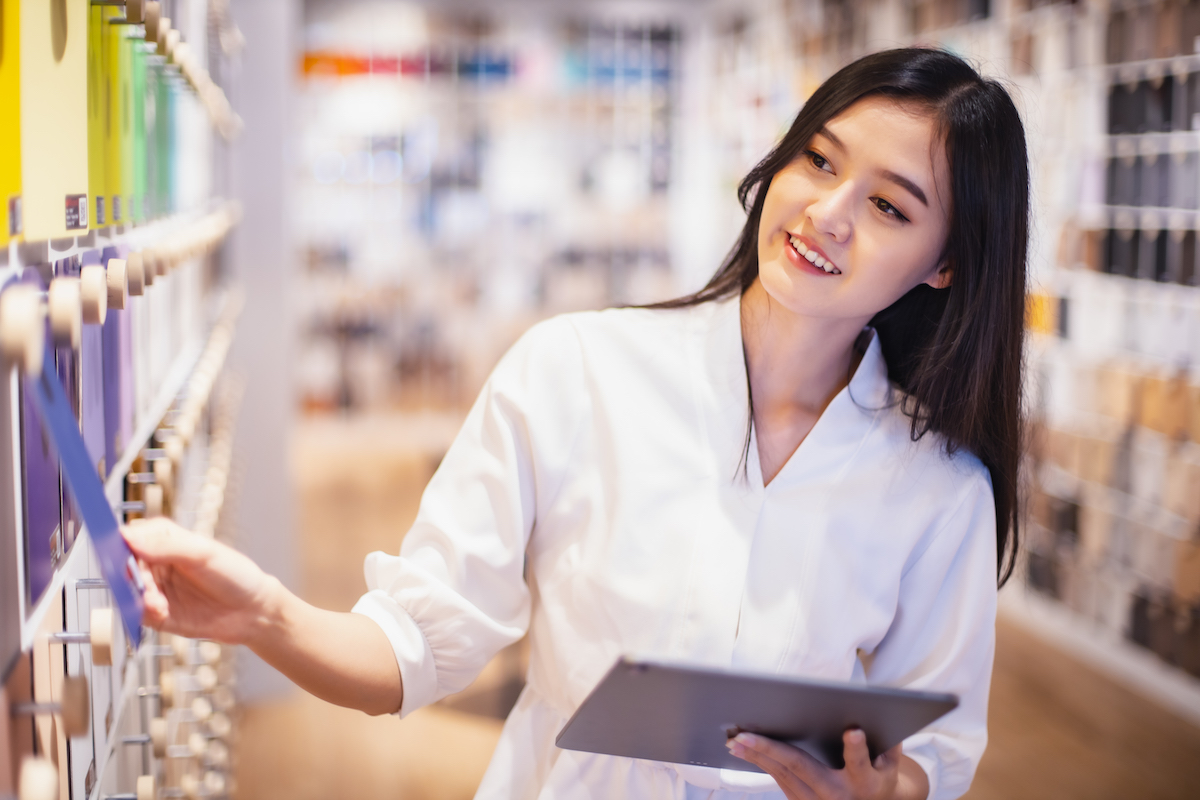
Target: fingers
160 540
855 752
155 608
865 778
798 773
793 787
889 759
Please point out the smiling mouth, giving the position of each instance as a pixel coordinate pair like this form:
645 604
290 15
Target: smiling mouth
813 257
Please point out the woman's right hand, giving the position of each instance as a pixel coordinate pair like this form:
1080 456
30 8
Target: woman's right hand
197 587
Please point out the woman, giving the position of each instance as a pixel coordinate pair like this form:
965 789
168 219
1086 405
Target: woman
808 467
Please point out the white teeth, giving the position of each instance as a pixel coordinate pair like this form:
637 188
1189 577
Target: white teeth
813 258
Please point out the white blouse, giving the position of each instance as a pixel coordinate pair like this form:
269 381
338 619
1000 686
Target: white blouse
596 496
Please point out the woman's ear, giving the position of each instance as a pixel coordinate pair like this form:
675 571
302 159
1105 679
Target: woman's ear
942 278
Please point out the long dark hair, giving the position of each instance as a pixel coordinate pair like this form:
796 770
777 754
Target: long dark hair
955 352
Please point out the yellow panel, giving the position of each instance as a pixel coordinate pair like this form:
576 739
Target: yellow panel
117 72
10 120
97 106
54 152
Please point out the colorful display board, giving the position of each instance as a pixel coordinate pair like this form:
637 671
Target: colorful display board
92 310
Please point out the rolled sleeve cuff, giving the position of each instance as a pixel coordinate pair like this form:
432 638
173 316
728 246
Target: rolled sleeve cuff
949 764
418 673
925 762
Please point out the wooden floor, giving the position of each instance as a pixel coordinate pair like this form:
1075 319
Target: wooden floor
1058 730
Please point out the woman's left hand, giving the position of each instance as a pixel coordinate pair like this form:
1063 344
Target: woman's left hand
802 777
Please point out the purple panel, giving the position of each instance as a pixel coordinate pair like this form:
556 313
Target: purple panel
92 386
40 491
67 364
92 380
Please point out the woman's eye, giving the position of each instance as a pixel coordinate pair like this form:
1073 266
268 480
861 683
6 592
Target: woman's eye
818 161
889 209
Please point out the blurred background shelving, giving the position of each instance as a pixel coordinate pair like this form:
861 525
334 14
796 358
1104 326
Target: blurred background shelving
462 170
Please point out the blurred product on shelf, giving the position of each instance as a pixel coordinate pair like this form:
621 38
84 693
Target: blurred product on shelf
458 181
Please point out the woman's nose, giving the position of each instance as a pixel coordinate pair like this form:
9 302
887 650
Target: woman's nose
831 214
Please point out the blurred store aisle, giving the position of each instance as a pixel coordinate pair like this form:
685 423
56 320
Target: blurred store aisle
359 481
1058 730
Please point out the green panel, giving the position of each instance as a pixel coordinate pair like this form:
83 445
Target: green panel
124 54
164 141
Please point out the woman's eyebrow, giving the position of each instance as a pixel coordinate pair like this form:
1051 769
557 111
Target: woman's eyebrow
895 178
906 184
836 141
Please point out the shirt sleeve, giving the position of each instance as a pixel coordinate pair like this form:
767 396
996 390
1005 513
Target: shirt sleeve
456 593
943 637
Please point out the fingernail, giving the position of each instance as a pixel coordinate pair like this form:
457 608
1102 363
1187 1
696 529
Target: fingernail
747 739
735 748
857 736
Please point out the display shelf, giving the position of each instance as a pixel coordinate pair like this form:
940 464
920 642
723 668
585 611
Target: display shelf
29 253
34 617
1057 482
172 384
129 689
174 381
1151 218
1105 651
1125 145
1151 69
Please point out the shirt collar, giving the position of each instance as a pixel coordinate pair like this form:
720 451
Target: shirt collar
848 418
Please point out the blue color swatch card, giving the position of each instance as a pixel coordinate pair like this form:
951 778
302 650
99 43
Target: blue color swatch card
116 559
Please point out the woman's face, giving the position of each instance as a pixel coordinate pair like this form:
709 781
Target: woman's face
868 202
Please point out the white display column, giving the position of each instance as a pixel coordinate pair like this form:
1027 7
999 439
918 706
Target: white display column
265 265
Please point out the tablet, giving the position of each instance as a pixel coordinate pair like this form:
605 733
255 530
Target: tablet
684 714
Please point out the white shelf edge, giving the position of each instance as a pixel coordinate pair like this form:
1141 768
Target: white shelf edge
112 741
1106 652
171 385
181 369
32 622
133 234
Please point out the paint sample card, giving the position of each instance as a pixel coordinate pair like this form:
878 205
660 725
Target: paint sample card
116 560
53 118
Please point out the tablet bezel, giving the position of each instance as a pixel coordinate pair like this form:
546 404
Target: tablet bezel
684 713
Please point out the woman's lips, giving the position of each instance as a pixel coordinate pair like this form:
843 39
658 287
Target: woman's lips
812 256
